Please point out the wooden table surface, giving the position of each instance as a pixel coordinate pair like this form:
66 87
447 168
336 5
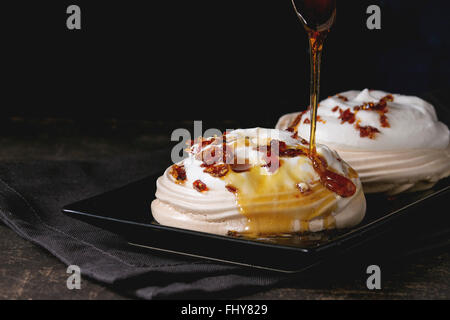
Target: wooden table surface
29 272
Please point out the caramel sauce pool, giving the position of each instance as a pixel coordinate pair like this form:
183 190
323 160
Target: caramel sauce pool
317 16
273 204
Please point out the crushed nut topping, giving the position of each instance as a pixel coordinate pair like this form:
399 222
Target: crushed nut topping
231 188
342 97
293 126
346 116
367 131
199 186
178 173
216 170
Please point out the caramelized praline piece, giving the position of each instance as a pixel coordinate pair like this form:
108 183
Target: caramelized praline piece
199 186
178 173
348 116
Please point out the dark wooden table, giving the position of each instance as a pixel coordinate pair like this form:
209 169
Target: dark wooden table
29 272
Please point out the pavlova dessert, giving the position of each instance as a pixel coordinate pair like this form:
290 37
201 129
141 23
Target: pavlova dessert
258 182
394 142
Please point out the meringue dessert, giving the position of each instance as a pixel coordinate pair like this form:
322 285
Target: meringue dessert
394 142
258 182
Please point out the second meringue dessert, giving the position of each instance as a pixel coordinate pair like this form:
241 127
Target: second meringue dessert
394 142
258 182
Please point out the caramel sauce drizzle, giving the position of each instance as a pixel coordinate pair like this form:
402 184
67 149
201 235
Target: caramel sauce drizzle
273 152
273 202
275 212
317 17
333 181
316 40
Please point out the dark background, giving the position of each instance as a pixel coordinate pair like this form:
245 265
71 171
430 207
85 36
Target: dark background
138 69
244 60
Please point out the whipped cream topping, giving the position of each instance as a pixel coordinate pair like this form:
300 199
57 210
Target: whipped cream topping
255 194
394 142
412 122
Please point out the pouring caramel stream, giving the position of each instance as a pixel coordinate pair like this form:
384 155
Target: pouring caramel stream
317 16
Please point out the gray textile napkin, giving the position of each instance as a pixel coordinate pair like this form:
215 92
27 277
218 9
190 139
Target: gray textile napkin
33 193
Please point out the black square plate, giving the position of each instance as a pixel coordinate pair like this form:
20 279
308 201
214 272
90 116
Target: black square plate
126 212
